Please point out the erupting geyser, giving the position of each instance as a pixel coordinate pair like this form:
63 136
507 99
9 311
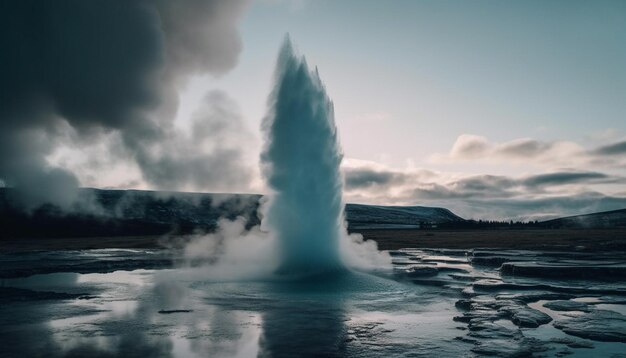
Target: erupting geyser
301 162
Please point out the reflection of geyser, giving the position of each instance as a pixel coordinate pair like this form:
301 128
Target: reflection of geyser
301 162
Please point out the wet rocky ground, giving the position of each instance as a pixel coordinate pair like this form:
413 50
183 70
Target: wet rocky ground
528 303
438 302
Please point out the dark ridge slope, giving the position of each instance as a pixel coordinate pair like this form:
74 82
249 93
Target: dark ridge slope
375 216
139 212
602 220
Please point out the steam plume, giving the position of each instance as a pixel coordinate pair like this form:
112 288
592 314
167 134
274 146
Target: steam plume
99 67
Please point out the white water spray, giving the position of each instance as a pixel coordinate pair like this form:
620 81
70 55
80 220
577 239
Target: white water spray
301 162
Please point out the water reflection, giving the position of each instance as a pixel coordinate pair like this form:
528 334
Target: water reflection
313 317
307 319
317 331
347 315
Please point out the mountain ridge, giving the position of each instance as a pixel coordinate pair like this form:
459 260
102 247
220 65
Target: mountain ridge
113 212
597 220
116 212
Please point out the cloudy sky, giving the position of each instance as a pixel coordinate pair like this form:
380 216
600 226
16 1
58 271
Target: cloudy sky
493 109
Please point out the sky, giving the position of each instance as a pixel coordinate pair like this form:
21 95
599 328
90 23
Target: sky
493 109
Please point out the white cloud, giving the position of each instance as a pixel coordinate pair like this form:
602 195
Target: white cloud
531 152
549 193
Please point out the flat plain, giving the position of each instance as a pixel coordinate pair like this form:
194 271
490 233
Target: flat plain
586 240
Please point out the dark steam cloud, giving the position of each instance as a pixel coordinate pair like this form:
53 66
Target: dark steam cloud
210 153
484 183
356 178
101 66
618 148
563 178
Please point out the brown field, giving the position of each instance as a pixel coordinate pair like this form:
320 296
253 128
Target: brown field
532 239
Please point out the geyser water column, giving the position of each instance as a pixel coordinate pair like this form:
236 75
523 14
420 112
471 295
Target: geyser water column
300 162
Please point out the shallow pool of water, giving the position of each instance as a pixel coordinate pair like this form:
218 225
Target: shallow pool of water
167 313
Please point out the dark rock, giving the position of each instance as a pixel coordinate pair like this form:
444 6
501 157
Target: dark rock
491 310
567 306
463 304
535 296
11 294
492 285
491 258
174 311
463 319
528 317
567 270
492 261
597 325
396 253
465 277
520 314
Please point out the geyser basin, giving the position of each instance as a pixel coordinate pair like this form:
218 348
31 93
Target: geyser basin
456 308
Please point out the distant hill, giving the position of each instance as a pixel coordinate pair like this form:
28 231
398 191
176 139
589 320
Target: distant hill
361 216
139 212
125 213
602 220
